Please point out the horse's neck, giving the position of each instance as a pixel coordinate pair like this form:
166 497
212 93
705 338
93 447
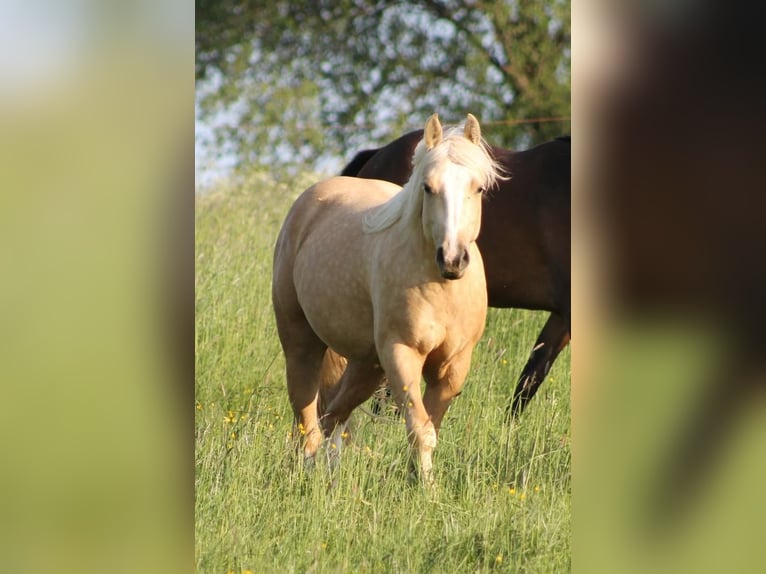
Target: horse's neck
411 253
409 226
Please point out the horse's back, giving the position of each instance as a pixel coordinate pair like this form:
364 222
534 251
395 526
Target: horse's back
552 162
322 258
393 161
357 163
338 202
326 219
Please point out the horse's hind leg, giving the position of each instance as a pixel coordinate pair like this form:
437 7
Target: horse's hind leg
359 381
304 353
553 338
333 367
302 388
304 350
444 383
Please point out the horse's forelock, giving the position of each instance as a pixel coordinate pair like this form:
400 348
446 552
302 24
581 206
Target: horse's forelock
456 148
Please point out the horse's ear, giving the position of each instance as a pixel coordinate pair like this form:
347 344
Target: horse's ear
433 133
472 130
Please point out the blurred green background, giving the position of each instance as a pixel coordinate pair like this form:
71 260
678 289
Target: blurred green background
297 86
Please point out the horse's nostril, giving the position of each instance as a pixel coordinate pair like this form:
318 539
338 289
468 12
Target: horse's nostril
465 259
440 256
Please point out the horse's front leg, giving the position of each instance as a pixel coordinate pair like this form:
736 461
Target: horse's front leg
404 368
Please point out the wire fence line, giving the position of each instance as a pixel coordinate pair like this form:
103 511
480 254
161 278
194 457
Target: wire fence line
354 127
212 165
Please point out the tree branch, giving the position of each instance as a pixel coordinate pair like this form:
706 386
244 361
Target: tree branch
519 82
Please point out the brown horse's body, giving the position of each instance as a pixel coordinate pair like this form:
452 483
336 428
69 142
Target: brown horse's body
386 278
524 239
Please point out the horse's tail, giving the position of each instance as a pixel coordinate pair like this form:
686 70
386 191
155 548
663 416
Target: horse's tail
356 164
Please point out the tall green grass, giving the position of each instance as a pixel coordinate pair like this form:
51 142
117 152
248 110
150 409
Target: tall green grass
502 495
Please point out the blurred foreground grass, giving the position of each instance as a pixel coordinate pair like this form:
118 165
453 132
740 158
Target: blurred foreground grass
96 104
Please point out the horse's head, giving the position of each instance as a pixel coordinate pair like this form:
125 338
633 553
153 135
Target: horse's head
454 170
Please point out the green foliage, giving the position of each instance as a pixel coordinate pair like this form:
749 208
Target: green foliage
502 500
296 80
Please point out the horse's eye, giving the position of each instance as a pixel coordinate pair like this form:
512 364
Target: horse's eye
427 188
482 190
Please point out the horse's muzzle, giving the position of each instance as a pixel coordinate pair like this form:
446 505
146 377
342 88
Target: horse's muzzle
452 268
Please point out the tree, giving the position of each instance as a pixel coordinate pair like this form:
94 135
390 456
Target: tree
299 81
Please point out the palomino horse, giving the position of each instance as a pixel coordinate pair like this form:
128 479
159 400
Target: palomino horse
524 240
391 279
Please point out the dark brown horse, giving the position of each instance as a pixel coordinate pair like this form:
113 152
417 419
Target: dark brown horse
524 239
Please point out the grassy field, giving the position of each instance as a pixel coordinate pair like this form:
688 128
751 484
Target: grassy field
502 495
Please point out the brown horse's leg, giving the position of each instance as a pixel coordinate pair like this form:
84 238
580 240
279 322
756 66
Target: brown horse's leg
404 367
444 383
553 338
